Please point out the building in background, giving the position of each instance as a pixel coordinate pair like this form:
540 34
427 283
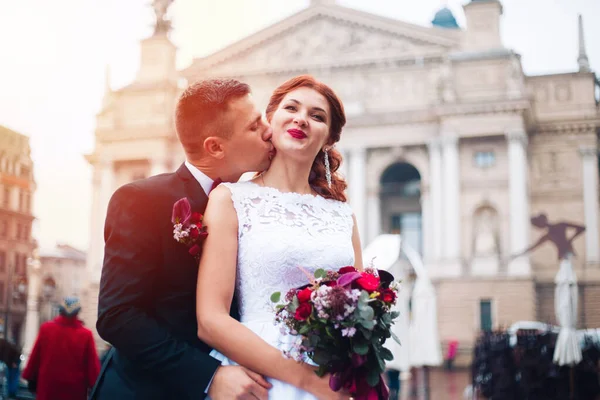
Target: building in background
63 270
448 143
17 187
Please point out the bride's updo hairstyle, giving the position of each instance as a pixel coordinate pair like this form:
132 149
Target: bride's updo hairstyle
337 120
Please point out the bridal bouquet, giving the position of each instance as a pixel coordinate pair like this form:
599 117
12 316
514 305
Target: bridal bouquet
342 319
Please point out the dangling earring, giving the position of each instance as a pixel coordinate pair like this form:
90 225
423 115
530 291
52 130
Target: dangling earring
327 168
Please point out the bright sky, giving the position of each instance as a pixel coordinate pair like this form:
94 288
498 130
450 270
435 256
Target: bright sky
53 56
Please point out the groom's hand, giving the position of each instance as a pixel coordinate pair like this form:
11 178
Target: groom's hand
234 382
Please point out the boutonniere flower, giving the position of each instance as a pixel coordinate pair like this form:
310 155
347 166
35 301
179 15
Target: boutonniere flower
187 226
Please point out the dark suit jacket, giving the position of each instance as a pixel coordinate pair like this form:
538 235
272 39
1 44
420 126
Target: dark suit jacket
146 308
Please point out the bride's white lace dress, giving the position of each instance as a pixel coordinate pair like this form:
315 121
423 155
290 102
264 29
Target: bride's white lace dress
279 232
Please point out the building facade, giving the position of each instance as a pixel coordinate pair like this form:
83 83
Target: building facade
17 187
448 143
63 273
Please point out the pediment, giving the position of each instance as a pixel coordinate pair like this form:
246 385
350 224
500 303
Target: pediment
330 35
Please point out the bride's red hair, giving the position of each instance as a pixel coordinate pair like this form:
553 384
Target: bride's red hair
317 177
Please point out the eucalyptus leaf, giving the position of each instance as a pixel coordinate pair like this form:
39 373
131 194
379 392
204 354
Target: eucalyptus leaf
367 313
275 297
395 338
373 378
361 348
368 324
386 354
320 273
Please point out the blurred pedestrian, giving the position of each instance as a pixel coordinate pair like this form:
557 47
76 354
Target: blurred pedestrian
63 364
10 354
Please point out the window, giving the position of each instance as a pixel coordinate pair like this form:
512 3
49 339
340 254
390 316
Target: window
1 292
18 234
485 315
485 159
2 261
21 200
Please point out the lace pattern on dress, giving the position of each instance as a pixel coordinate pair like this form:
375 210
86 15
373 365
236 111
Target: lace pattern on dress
280 232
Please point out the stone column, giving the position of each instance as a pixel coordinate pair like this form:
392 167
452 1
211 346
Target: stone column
32 318
427 227
589 156
434 203
373 215
103 188
451 242
519 202
358 188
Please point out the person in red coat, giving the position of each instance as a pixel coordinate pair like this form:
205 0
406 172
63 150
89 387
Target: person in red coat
63 364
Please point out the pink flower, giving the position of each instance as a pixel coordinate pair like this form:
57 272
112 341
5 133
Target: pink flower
182 211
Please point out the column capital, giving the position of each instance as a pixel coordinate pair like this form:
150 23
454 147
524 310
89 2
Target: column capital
518 136
434 144
449 140
588 151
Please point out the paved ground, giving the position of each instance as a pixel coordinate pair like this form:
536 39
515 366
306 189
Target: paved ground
443 385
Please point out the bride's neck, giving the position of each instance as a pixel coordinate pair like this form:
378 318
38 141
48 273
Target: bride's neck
288 176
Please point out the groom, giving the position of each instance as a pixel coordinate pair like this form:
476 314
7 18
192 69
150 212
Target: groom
146 308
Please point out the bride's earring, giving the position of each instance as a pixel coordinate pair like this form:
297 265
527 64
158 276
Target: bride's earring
327 168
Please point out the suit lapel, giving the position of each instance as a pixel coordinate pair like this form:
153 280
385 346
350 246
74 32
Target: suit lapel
193 191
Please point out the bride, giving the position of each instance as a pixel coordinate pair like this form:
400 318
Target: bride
261 231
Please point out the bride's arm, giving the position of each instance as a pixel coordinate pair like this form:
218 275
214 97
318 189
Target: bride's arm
358 261
216 284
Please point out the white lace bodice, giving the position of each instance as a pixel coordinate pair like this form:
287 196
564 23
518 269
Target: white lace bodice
279 232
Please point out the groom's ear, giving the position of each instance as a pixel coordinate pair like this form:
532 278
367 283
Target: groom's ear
213 146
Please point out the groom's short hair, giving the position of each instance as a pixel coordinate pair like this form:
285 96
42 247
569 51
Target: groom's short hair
200 111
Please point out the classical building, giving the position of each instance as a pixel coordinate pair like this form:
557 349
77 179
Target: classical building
63 270
16 244
448 142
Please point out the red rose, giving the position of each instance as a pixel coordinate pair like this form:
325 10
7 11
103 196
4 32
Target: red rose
304 295
194 250
303 311
346 270
388 295
330 283
196 218
194 233
368 282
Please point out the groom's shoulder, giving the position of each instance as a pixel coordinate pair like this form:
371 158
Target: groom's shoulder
154 186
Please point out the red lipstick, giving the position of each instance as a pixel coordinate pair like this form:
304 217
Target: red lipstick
297 133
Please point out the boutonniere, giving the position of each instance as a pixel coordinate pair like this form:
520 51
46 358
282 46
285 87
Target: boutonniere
187 226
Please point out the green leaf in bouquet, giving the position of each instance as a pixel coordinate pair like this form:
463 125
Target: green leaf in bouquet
373 377
294 305
386 354
321 357
386 319
379 359
367 313
366 333
279 306
360 348
304 329
367 324
330 332
363 300
321 371
314 340
320 273
396 339
394 314
275 297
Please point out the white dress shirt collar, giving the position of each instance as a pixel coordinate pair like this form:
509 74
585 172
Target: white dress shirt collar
202 179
